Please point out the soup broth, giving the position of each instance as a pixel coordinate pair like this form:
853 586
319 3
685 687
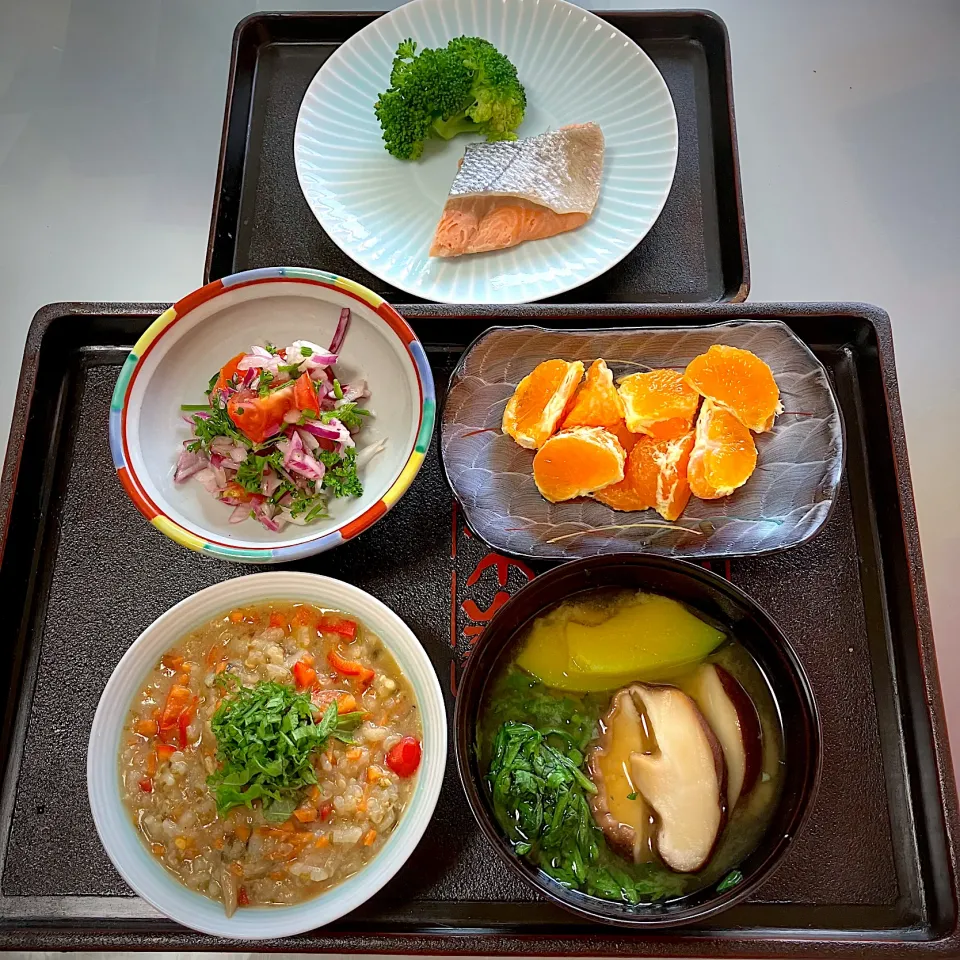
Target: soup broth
270 754
588 732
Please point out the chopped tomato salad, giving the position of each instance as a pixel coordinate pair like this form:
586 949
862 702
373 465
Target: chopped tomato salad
276 438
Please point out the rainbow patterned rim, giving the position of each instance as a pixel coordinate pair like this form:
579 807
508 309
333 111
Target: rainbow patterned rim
326 541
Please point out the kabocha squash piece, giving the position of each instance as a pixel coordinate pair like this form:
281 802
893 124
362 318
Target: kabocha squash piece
537 405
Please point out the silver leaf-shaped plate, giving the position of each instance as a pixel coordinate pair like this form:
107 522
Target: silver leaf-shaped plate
784 503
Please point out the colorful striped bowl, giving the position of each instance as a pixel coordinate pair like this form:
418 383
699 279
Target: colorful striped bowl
172 364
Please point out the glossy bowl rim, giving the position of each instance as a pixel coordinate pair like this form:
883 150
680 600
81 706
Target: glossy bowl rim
476 798
322 541
150 879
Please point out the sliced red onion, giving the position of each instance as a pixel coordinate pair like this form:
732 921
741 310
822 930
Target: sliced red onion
308 467
264 513
189 464
270 483
239 453
216 459
292 416
340 333
209 480
325 431
240 512
354 391
309 440
365 455
260 359
291 447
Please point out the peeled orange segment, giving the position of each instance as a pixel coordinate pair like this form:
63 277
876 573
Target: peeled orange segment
576 462
671 429
538 403
623 495
627 439
596 403
673 489
724 454
740 382
653 398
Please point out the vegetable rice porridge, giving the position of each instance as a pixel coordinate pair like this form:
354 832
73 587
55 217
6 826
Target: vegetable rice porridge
270 754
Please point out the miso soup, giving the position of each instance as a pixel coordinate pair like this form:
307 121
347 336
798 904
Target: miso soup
632 748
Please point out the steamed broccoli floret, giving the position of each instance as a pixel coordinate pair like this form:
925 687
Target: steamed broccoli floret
466 87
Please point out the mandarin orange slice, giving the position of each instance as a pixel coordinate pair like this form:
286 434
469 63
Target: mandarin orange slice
627 439
650 399
673 488
538 403
576 462
655 476
596 403
740 382
724 454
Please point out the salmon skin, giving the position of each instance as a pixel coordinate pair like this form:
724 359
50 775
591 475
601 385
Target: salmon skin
511 191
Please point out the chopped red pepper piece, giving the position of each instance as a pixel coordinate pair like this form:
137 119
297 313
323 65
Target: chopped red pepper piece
242 899
146 785
325 810
178 700
350 668
403 758
304 675
343 628
165 751
183 721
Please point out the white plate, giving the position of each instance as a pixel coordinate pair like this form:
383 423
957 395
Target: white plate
575 67
126 849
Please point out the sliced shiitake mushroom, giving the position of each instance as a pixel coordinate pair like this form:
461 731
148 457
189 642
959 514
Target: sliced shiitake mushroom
683 780
619 811
733 718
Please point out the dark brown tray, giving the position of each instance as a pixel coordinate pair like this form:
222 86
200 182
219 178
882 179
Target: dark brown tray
82 574
695 253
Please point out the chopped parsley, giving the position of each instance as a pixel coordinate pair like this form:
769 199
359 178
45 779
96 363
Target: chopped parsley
250 472
341 477
349 414
218 424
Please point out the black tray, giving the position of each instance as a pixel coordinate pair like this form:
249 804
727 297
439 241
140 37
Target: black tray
82 574
696 251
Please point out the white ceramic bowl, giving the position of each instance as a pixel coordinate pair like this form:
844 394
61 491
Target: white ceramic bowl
115 826
173 361
575 67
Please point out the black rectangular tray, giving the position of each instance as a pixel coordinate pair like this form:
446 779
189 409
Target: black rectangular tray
696 251
82 574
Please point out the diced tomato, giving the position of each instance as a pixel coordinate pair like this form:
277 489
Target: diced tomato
233 491
305 394
242 899
227 372
403 758
165 751
325 810
261 417
304 675
350 668
146 785
338 625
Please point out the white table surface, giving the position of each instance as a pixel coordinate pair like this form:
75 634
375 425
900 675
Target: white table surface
848 116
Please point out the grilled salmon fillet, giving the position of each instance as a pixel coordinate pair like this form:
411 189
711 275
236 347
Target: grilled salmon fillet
511 191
